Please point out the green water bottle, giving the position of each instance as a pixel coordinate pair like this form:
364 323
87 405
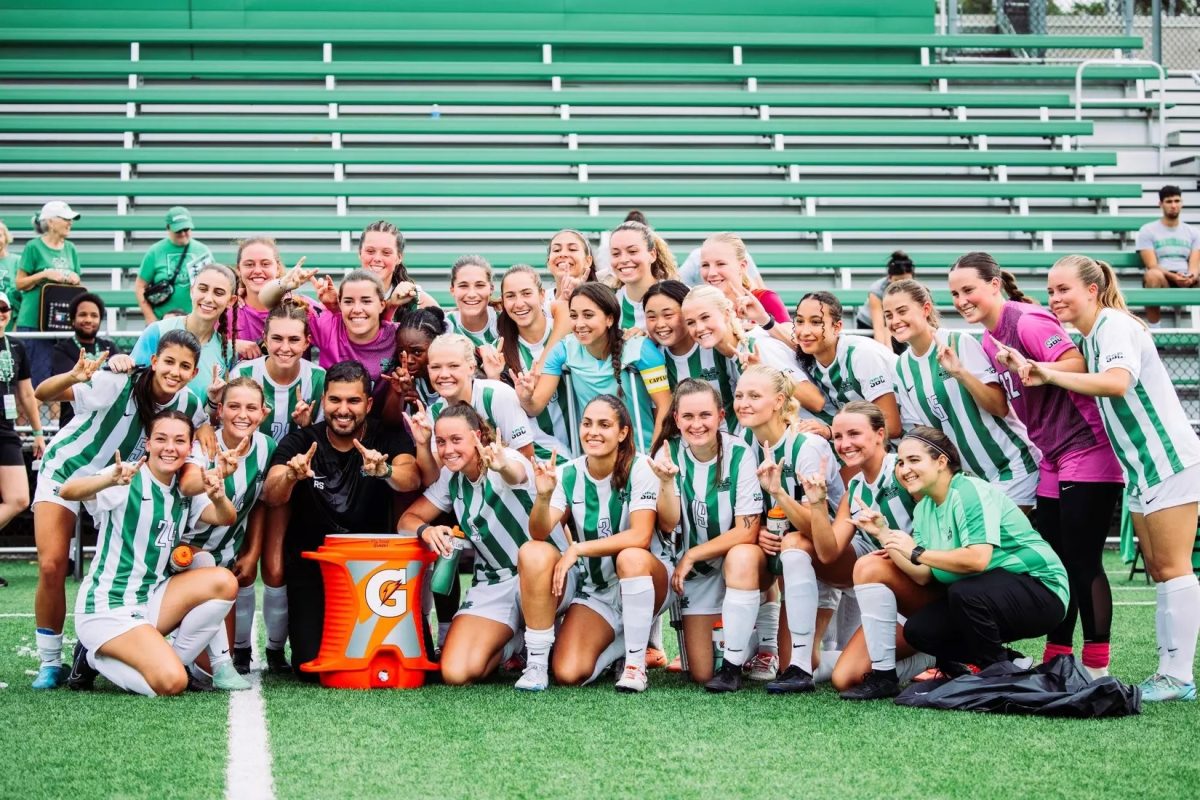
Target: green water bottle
718 640
445 569
777 525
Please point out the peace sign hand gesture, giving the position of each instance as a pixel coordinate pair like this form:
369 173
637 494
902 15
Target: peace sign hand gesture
86 367
123 471
870 521
491 456
815 487
524 383
302 412
216 386
300 466
326 291
545 476
214 484
226 461
492 358
770 473
375 464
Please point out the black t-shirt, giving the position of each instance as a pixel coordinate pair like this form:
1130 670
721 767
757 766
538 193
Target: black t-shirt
65 356
14 368
340 499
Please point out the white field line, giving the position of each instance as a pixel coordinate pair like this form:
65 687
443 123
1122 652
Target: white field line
16 616
248 774
1137 603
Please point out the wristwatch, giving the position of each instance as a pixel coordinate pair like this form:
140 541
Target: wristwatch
915 556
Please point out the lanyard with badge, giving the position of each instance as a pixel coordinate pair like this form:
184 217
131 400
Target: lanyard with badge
8 369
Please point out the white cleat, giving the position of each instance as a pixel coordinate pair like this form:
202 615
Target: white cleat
535 678
633 680
763 667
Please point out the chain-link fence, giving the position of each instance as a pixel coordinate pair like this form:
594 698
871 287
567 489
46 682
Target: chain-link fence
1175 40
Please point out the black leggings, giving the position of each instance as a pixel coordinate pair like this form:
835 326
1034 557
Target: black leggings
977 616
1076 525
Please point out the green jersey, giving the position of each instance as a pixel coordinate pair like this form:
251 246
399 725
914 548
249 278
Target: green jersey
500 407
633 315
598 511
1147 425
8 285
975 512
995 448
137 526
106 422
711 501
493 515
862 369
242 488
162 260
800 454
282 398
486 336
38 257
885 495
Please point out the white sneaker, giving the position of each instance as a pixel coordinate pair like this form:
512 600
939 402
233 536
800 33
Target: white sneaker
633 680
535 678
1096 672
763 667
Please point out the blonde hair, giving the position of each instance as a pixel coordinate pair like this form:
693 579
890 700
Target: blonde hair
714 297
780 383
920 295
739 252
1092 271
6 238
456 340
664 267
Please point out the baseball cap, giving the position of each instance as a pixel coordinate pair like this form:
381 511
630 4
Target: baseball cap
4 299
57 209
179 219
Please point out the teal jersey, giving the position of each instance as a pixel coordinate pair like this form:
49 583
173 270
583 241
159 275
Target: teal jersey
137 526
994 448
885 495
550 428
106 422
242 488
862 369
488 335
493 515
282 398
212 353
1147 425
975 512
500 407
598 512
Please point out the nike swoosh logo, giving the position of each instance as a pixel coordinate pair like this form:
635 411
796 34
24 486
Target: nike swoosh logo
634 652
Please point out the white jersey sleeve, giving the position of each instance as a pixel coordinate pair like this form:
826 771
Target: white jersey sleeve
874 370
643 486
98 393
970 353
749 490
1117 345
198 456
812 451
439 492
511 422
110 498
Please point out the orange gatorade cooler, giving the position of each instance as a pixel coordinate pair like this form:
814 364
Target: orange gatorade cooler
374 629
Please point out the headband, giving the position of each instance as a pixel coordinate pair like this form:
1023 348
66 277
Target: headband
931 443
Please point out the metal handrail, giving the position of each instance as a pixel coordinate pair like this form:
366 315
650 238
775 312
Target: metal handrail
1162 96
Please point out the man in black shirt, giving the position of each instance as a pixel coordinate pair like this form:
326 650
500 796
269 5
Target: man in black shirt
86 313
340 475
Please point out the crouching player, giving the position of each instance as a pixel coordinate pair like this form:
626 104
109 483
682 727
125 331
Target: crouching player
128 602
611 495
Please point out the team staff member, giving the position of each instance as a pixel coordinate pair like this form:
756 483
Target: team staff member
16 389
1002 580
1156 445
340 475
169 267
86 313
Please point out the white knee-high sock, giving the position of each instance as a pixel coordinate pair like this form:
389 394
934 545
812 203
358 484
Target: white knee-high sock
49 647
121 674
275 614
656 635
198 628
878 607
1179 600
767 625
802 595
824 671
243 617
611 653
538 644
218 647
637 614
738 610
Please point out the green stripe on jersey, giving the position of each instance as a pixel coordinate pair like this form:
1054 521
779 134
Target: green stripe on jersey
884 495
282 398
487 336
707 365
242 488
709 500
632 314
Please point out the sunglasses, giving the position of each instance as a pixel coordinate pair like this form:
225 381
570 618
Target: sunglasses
5 309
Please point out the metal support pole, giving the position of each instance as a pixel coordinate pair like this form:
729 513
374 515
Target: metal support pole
1156 30
952 15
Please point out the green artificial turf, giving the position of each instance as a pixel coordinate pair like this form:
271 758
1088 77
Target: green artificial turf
674 741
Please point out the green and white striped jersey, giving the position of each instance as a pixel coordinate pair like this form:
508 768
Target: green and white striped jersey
500 407
137 527
598 511
106 421
550 431
488 335
282 399
885 495
633 315
1147 425
704 364
710 501
493 515
975 512
800 454
242 488
862 369
994 448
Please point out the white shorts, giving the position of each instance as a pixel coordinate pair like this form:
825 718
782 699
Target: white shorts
862 545
98 629
607 602
1179 489
501 602
703 594
47 490
1023 490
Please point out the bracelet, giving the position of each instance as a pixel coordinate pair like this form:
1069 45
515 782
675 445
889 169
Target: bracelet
770 323
421 529
37 433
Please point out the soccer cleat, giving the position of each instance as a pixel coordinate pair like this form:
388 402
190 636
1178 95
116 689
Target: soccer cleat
199 681
535 678
1160 688
227 678
633 680
83 675
514 663
50 676
676 665
876 685
793 681
277 663
763 667
727 679
241 660
655 658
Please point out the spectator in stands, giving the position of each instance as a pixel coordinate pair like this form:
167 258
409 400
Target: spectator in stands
86 313
8 271
49 258
870 317
1170 250
381 252
340 475
165 279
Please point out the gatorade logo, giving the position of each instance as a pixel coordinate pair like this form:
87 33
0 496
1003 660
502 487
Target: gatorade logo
385 594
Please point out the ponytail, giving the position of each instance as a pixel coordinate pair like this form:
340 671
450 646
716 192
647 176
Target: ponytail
1094 272
987 269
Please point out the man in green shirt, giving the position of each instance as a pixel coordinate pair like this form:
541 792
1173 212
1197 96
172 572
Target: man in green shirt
173 261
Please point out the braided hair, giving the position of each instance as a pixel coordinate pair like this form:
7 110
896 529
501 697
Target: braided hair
603 298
